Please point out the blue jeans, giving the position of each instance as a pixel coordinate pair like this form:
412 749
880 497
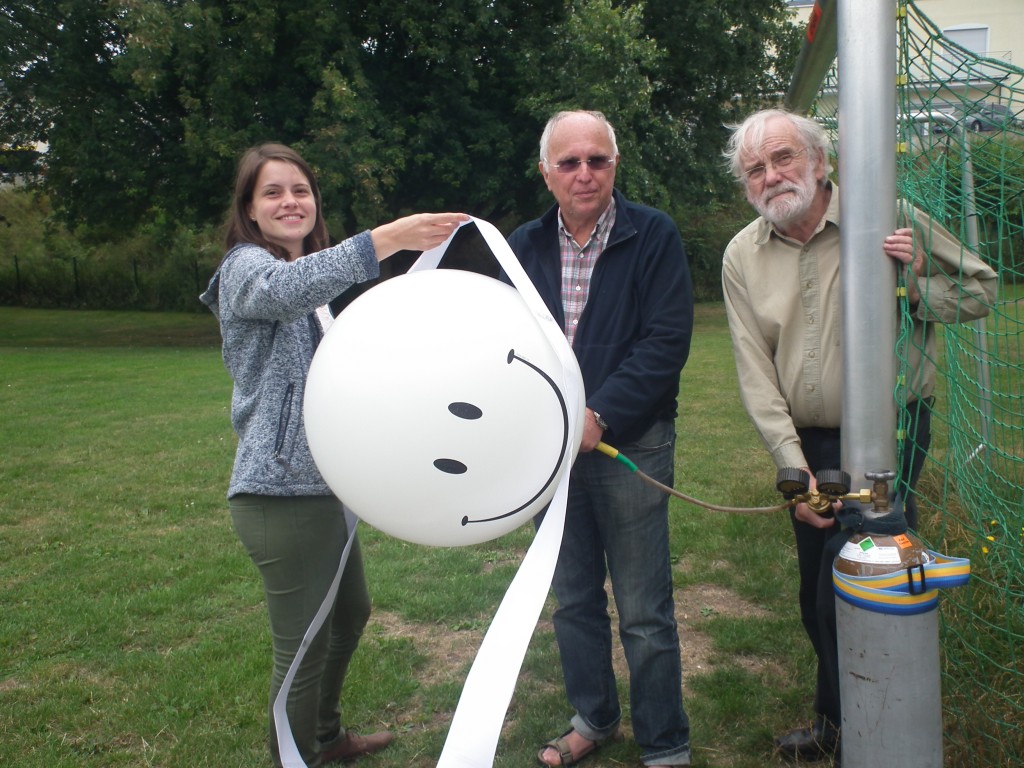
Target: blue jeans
617 524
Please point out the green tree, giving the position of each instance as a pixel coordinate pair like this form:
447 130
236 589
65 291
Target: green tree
447 77
59 89
719 62
605 62
401 105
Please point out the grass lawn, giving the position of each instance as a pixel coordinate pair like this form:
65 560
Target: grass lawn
133 631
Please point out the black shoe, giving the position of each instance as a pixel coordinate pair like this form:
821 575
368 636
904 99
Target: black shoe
810 744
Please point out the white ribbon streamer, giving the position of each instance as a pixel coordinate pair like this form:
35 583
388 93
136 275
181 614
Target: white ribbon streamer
287 749
476 725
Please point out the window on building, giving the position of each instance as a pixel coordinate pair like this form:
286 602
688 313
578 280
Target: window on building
973 37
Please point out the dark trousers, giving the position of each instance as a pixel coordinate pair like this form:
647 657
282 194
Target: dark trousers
296 542
817 548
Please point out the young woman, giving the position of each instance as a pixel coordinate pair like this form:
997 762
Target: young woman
270 295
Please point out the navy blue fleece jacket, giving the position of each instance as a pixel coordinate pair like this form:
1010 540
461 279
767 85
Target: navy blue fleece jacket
633 337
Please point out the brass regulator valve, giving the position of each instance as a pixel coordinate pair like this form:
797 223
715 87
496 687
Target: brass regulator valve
832 485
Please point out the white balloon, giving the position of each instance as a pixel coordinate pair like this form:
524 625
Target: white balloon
436 409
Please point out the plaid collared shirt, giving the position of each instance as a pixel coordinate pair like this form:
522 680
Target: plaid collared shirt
578 266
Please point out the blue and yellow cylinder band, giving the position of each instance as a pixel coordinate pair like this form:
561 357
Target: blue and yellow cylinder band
905 592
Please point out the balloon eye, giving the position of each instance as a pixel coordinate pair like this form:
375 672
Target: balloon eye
465 410
450 466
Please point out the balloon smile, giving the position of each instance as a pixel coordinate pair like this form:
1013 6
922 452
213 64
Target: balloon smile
450 465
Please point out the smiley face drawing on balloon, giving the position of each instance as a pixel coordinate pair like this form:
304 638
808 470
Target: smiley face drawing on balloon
439 412
471 412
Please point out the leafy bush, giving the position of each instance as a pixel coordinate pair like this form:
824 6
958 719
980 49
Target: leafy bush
161 266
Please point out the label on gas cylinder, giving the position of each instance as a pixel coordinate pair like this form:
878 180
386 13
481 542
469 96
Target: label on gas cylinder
866 551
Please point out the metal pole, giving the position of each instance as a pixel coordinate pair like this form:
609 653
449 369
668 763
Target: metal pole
866 39
816 56
888 664
972 241
971 222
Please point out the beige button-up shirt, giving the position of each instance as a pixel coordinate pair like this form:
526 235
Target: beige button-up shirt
783 303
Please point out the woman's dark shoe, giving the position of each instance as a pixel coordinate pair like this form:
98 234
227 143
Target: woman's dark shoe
809 744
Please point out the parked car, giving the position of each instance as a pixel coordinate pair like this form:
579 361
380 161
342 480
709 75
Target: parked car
988 117
982 116
927 120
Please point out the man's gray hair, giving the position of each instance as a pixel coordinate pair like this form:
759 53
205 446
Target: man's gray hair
748 136
545 138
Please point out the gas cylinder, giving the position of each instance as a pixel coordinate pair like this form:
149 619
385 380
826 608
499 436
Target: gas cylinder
889 679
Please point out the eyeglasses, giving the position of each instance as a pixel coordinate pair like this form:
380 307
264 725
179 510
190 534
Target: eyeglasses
595 163
781 162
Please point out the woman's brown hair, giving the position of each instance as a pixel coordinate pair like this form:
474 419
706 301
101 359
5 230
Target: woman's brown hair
242 229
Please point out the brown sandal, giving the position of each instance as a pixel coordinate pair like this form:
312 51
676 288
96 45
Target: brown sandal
565 755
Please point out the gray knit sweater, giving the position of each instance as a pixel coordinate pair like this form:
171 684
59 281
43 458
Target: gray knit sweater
266 308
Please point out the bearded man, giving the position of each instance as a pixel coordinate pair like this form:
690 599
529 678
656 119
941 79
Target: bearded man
780 277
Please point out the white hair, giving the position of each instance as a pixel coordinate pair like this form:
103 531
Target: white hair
749 135
545 138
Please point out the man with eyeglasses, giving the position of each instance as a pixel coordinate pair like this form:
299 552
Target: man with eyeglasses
615 274
780 276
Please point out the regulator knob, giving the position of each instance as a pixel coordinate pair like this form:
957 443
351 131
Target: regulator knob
792 481
833 482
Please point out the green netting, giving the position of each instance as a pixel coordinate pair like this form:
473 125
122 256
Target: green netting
962 162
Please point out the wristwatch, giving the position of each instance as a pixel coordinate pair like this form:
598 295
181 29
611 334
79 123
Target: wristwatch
600 422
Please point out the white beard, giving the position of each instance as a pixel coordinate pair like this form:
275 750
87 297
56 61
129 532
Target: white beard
789 201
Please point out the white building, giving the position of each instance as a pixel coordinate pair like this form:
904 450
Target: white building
990 28
946 78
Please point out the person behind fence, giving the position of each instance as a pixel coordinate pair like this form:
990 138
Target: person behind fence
615 275
780 277
270 294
